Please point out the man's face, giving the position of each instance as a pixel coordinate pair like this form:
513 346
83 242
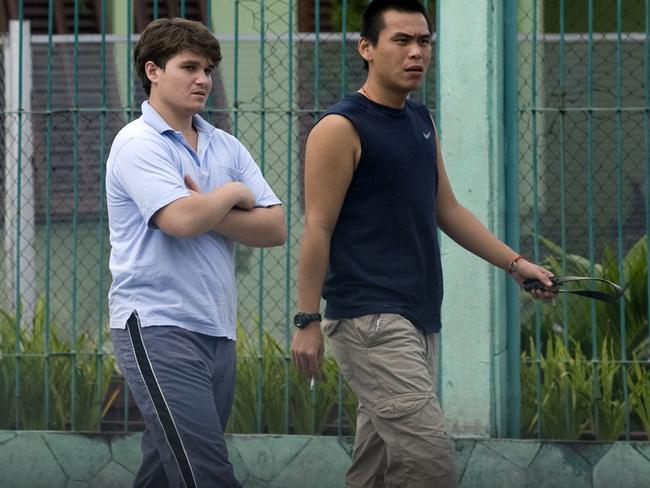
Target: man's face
184 84
401 56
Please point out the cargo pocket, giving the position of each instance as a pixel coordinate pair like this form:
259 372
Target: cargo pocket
328 327
401 405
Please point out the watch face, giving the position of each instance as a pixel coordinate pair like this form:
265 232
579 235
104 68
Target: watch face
301 320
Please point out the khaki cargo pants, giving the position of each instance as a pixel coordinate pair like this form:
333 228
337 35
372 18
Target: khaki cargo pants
391 367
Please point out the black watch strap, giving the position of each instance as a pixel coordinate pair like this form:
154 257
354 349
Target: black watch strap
302 319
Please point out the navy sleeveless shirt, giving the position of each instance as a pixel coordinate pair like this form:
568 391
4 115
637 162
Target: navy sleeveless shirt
384 255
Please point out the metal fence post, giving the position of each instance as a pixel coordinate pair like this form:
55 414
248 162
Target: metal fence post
512 210
20 275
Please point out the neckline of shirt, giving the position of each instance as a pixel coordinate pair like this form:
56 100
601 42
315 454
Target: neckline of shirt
155 120
384 108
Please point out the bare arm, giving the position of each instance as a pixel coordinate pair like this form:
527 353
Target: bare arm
198 213
333 149
257 227
464 228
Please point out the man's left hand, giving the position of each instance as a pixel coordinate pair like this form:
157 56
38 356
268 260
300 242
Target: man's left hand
527 270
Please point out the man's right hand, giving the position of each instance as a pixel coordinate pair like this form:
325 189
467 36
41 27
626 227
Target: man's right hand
246 200
307 350
243 195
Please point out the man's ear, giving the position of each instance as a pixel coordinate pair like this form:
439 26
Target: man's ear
364 47
151 70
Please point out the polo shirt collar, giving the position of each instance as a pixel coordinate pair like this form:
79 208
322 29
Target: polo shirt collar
153 118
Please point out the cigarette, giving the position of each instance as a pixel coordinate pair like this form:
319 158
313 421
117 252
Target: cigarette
312 384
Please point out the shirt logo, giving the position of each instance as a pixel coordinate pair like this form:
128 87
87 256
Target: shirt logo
426 134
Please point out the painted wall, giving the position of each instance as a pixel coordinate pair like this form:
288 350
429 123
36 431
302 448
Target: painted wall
471 99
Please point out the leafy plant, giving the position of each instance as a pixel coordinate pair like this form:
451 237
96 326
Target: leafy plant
607 397
639 384
565 385
33 381
583 343
287 404
576 395
575 315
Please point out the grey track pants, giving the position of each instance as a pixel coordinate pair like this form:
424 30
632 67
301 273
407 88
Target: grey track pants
183 383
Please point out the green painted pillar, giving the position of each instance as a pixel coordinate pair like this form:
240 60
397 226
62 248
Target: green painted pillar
474 379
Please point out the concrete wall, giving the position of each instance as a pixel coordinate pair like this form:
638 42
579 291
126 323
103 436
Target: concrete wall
471 120
66 460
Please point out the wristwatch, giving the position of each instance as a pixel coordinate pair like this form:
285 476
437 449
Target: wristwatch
302 319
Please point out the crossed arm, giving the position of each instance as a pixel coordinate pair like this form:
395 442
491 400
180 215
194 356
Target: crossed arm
227 210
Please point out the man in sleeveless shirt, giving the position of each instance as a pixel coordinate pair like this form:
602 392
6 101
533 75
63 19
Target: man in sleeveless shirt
376 192
180 194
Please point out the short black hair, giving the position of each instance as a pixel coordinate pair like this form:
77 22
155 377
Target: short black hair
163 38
372 18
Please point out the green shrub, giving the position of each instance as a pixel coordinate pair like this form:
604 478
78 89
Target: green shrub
272 397
607 397
639 385
34 383
576 395
574 314
564 380
580 358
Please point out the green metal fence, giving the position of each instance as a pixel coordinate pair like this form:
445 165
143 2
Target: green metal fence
584 179
56 365
578 147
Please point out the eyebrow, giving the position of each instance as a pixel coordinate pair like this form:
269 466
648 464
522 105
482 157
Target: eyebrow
192 62
410 36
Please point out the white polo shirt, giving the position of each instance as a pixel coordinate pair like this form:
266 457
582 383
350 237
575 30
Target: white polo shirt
186 282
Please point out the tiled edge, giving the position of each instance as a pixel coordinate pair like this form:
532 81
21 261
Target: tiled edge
6 436
81 457
262 457
125 450
518 452
623 465
27 461
557 464
592 452
75 460
487 467
463 448
643 448
321 463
